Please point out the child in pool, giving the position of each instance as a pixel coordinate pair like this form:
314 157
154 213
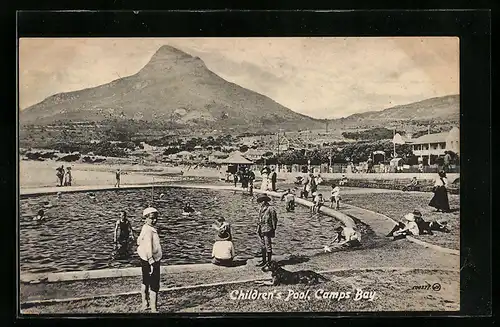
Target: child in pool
188 208
40 215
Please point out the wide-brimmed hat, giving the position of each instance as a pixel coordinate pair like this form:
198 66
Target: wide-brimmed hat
147 211
417 214
224 235
409 217
263 198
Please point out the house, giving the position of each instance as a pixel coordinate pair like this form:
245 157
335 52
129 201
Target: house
432 144
254 154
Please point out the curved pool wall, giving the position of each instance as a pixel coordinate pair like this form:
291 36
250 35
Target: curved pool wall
123 272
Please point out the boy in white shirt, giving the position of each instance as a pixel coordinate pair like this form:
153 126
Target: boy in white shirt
335 197
149 251
223 253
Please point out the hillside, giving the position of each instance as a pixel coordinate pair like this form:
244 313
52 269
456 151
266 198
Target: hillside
440 110
173 87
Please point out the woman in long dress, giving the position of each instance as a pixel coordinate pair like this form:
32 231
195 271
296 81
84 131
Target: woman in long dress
265 179
440 198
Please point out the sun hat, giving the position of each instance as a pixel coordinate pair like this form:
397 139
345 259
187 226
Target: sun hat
149 210
263 198
417 214
409 217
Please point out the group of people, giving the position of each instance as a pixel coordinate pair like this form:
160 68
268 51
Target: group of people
269 179
223 252
414 224
64 177
309 185
246 177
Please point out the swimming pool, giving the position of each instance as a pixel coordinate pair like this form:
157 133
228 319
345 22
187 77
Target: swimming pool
78 231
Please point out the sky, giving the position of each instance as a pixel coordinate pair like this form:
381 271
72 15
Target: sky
318 77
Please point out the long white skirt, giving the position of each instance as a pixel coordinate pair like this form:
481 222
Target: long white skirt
265 183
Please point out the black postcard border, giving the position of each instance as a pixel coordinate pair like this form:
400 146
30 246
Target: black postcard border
473 27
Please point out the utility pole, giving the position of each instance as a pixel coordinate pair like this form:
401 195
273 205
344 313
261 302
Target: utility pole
394 143
326 125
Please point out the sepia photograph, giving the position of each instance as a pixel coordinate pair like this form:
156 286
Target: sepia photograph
238 175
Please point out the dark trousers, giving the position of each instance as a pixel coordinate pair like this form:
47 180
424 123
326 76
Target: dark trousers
273 185
266 243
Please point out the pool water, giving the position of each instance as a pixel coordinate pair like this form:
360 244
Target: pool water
77 233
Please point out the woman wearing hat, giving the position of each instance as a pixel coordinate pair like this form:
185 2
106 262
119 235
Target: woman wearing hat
440 198
266 228
149 251
404 228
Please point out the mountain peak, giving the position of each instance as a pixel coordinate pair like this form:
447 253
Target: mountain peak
167 56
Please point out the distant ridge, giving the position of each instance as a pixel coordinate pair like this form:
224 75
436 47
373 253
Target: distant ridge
174 87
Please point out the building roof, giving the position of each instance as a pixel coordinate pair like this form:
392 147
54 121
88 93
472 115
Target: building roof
430 138
183 153
236 158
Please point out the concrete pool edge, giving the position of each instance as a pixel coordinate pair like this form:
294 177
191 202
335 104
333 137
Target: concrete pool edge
129 272
242 281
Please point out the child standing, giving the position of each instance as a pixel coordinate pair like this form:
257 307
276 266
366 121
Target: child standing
335 197
149 250
318 202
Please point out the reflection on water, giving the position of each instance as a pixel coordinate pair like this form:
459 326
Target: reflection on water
78 231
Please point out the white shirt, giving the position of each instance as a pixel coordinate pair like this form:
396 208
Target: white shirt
350 234
149 247
223 250
438 181
412 227
336 191
318 199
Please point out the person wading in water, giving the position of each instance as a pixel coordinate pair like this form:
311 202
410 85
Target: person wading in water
123 234
266 228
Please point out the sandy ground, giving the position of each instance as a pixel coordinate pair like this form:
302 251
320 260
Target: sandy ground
389 291
43 173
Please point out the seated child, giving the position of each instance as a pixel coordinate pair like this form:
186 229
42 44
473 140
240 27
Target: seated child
403 229
223 229
223 253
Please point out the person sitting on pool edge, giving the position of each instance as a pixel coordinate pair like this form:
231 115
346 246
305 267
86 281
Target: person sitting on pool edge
403 229
345 237
223 250
289 196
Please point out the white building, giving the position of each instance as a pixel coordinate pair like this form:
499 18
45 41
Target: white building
432 144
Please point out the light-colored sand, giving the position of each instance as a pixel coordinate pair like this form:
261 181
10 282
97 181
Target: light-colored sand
43 173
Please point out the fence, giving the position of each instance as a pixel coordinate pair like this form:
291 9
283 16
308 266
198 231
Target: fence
344 168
